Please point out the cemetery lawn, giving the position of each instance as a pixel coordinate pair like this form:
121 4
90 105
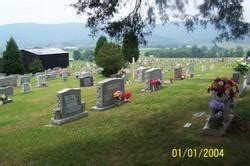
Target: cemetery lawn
142 132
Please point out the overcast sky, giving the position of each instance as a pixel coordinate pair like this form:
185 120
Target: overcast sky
51 11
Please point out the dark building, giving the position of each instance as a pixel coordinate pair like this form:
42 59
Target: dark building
50 57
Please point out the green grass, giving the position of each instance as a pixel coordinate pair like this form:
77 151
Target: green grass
142 132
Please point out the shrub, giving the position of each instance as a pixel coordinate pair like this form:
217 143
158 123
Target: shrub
110 58
36 66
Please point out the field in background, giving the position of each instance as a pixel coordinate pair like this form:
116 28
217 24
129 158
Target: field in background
141 132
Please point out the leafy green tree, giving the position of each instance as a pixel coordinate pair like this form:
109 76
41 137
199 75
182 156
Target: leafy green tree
12 60
100 42
36 66
88 55
130 47
77 55
110 58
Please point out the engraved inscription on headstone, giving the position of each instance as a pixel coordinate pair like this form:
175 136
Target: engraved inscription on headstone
70 106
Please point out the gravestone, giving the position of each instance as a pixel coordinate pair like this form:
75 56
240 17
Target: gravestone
64 76
203 68
140 73
152 74
86 81
8 91
190 70
41 81
242 81
105 91
38 73
70 107
212 67
24 79
51 75
248 78
26 87
8 81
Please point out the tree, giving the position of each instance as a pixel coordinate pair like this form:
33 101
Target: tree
88 55
12 60
110 16
130 47
77 55
110 58
36 66
100 42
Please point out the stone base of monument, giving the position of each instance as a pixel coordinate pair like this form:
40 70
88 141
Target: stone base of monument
95 108
217 132
243 92
5 101
69 119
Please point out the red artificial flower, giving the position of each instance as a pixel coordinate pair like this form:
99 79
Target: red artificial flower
127 95
153 82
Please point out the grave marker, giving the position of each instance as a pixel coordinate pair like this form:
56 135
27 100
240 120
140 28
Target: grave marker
70 107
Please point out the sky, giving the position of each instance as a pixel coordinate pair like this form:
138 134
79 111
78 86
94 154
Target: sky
51 11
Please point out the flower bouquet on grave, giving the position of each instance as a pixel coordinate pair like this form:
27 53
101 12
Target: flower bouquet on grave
122 96
224 91
223 88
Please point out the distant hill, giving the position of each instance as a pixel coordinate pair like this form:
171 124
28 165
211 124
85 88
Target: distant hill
76 34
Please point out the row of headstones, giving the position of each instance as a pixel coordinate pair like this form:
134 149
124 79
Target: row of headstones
146 75
25 83
178 71
70 106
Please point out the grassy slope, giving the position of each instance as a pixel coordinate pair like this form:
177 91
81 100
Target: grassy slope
142 132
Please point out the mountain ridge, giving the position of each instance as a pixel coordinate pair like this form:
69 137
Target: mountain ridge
77 34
